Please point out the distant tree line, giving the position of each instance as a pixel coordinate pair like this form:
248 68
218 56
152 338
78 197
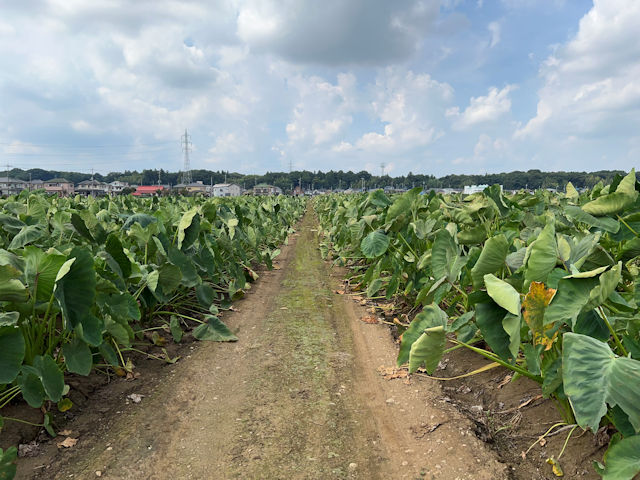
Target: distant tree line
333 180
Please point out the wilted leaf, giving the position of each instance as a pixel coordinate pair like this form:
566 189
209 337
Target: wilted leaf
534 305
68 442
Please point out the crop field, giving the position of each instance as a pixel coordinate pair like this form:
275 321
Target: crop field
545 285
84 280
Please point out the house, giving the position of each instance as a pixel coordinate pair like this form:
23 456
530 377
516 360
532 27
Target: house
117 186
298 192
225 190
264 189
148 190
58 186
12 186
36 184
92 187
194 187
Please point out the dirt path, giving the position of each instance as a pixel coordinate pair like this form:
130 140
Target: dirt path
298 397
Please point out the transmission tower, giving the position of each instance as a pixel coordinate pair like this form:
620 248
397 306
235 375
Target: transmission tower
185 140
381 170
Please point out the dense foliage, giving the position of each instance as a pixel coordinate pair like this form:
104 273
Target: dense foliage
546 285
81 279
333 180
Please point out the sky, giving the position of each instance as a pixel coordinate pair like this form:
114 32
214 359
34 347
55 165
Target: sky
422 86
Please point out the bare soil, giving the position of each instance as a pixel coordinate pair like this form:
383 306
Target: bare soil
308 392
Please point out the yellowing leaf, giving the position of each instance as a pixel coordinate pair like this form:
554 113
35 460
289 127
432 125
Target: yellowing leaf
555 466
534 304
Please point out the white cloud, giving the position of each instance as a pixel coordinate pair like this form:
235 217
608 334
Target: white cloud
591 83
488 108
336 32
495 30
410 107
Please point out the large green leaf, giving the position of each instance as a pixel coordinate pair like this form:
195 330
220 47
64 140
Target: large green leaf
12 349
76 290
605 223
623 459
11 289
491 259
7 466
28 234
542 256
489 318
185 222
427 349
77 357
445 257
114 248
594 376
503 294
40 271
31 387
624 196
50 376
214 330
374 244
431 316
190 276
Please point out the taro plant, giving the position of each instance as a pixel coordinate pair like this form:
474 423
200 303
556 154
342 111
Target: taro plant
545 285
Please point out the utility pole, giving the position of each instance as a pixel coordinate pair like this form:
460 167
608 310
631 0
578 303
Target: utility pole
185 141
362 178
158 177
290 165
381 170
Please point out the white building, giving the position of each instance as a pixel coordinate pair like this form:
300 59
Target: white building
469 189
225 190
117 186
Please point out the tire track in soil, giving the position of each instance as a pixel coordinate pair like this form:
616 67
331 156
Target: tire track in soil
298 397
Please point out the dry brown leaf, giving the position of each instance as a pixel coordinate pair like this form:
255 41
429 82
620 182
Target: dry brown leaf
68 442
369 319
505 380
65 433
390 373
339 292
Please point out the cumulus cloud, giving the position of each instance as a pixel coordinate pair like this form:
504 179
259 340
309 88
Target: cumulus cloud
410 107
483 109
591 83
332 32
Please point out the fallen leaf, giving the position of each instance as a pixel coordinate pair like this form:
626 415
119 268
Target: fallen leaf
339 292
369 319
65 433
390 373
505 380
68 442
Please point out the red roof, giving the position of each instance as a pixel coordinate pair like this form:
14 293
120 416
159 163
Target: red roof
147 189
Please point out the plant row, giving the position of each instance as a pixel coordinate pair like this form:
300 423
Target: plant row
84 280
544 284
